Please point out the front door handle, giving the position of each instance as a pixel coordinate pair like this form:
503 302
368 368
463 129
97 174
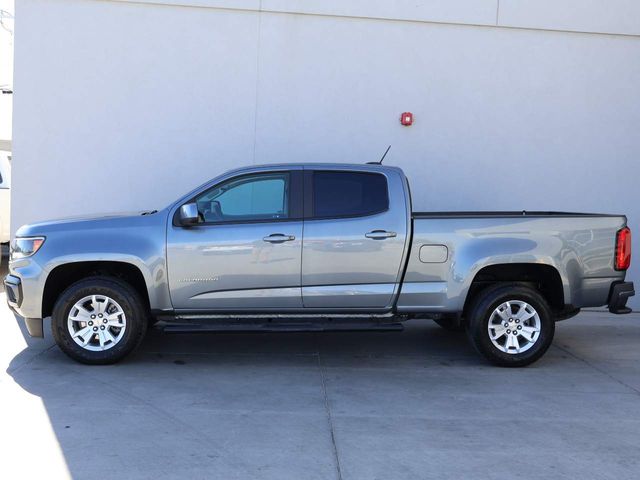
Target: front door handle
379 234
278 238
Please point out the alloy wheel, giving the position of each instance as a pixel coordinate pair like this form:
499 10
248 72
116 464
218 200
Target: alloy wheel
96 323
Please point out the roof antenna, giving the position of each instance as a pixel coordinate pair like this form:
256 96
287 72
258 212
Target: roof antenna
380 162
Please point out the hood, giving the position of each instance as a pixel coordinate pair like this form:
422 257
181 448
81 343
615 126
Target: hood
105 220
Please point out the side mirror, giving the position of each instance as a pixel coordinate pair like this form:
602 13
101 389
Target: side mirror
189 215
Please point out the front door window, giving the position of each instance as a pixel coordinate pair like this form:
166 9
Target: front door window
250 198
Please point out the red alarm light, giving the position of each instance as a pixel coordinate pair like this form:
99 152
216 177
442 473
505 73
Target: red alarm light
406 119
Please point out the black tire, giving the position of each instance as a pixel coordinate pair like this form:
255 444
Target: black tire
450 325
132 306
481 311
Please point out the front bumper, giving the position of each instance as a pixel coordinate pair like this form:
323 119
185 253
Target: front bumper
13 289
620 293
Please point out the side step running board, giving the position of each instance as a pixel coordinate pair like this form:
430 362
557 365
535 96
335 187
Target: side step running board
282 327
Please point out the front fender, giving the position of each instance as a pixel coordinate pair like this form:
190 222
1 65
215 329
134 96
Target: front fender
136 240
153 272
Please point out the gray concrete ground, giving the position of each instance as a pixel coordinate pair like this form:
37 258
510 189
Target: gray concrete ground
413 405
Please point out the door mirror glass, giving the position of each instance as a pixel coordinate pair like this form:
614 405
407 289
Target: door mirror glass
189 214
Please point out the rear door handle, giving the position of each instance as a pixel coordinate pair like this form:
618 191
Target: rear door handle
379 234
278 238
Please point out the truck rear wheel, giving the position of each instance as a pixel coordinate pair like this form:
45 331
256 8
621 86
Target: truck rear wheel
99 320
511 325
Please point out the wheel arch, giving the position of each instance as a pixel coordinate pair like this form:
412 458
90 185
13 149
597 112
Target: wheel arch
543 277
64 275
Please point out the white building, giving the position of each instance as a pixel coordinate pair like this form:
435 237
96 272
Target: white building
518 104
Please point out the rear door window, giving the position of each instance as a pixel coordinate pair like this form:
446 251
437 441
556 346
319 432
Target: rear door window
349 194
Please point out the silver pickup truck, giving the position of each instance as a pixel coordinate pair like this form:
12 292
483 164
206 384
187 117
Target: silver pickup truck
315 247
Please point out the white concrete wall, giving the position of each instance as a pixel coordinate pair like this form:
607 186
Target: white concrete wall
6 72
122 105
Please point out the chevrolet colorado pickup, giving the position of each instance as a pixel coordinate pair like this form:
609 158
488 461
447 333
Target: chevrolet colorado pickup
315 247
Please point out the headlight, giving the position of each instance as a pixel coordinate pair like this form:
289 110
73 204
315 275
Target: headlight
25 246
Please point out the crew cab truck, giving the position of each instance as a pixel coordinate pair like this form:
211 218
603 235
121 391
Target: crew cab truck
315 247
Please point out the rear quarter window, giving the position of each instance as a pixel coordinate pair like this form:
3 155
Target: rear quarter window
349 194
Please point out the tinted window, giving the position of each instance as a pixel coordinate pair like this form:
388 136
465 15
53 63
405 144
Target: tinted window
253 197
341 194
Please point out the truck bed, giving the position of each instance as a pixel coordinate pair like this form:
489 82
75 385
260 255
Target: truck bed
449 249
503 214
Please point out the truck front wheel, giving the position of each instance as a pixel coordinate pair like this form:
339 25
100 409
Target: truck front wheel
99 320
511 325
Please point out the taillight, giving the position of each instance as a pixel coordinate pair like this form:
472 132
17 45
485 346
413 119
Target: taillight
623 249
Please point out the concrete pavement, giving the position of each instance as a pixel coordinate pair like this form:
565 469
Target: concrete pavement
413 405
